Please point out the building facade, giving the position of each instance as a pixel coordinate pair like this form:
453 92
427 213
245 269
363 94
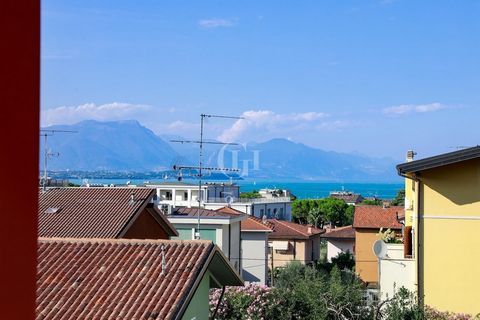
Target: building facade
222 228
341 239
255 249
442 201
214 196
367 222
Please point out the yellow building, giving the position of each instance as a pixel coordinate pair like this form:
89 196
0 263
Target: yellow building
443 208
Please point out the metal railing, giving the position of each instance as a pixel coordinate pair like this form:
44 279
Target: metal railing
243 200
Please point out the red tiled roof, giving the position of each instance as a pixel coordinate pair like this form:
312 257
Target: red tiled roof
230 210
290 230
377 217
90 212
193 212
116 279
255 224
346 232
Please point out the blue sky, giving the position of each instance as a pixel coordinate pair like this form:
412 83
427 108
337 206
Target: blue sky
375 77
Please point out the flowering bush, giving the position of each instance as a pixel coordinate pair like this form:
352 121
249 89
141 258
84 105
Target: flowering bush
388 236
433 314
252 302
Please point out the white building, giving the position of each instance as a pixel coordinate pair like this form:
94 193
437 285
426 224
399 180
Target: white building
341 239
218 195
221 227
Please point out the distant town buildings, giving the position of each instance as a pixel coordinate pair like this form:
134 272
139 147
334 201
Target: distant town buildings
347 196
273 204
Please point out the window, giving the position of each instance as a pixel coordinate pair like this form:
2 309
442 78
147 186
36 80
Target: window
208 234
185 196
168 195
269 213
184 234
262 212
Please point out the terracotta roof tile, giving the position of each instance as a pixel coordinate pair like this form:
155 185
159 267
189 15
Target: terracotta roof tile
346 232
88 212
116 279
255 224
230 210
377 217
290 230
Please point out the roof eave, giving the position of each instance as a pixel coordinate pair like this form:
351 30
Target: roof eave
438 161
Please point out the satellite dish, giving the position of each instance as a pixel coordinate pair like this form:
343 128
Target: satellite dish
380 249
229 200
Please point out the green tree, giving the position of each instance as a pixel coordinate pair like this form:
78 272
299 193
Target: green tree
250 195
375 202
324 210
399 199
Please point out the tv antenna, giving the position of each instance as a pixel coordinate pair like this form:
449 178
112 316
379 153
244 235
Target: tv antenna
47 154
200 167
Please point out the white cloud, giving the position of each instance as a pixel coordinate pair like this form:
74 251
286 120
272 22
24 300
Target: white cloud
411 108
91 111
217 23
266 122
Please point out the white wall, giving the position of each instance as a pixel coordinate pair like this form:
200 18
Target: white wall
396 271
255 257
335 246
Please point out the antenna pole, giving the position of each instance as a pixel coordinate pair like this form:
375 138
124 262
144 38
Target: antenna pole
46 154
45 159
197 234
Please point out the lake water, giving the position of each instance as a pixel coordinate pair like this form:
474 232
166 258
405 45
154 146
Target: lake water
303 190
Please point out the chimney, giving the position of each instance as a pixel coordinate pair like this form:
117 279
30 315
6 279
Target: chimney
309 230
410 155
132 199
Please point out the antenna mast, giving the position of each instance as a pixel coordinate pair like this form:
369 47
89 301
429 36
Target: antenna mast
200 161
47 133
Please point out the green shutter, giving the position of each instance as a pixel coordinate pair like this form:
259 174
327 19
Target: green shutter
183 234
208 234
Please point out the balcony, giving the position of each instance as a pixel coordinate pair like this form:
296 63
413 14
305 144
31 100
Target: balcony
248 201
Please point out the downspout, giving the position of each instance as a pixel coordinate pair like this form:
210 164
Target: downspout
218 303
416 231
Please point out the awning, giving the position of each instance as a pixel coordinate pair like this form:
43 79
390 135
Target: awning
280 245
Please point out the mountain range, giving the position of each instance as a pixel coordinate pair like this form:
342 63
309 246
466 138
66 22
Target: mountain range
129 146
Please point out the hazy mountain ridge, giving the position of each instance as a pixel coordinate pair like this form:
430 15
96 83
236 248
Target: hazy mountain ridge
127 145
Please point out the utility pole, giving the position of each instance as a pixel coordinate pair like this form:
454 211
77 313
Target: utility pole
46 154
200 161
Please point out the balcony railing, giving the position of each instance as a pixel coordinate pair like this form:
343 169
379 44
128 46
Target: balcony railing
243 200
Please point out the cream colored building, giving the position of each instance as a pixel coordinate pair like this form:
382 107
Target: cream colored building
292 241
